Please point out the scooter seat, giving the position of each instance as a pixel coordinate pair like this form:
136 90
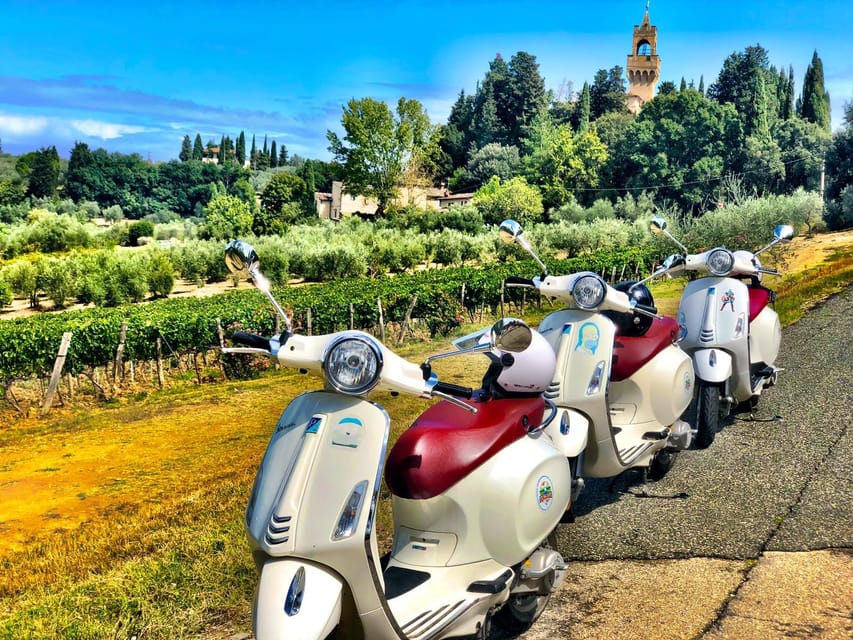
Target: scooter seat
632 352
447 442
759 297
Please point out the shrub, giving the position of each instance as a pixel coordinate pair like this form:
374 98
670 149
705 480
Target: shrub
137 230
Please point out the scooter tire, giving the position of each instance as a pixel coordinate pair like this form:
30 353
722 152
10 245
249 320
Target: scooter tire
707 414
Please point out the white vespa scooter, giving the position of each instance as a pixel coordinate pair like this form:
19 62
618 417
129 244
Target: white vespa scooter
621 383
478 490
733 332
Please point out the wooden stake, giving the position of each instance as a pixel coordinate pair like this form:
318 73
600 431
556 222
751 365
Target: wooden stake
118 369
309 321
57 371
351 317
159 362
381 320
408 317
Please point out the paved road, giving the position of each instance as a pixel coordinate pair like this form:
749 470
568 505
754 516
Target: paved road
750 538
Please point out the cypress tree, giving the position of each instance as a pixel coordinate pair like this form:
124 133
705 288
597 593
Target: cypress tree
198 148
186 150
282 156
273 155
584 112
683 86
222 154
253 154
241 149
814 101
702 84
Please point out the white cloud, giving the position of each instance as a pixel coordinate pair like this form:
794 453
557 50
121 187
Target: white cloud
104 130
22 125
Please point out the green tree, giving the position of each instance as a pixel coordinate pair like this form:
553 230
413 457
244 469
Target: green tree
378 146
186 150
607 92
491 160
749 83
198 148
458 133
227 217
282 156
161 275
512 199
139 229
813 104
44 173
560 162
240 151
273 155
802 145
681 141
283 202
584 110
11 193
253 154
527 98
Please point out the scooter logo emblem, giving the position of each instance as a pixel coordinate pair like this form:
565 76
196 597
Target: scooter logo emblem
545 493
728 298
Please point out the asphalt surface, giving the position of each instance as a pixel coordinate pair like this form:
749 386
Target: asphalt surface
750 538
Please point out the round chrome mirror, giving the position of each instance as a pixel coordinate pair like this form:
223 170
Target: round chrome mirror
241 258
783 232
657 224
510 334
510 230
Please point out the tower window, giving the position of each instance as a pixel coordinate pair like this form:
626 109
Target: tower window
644 48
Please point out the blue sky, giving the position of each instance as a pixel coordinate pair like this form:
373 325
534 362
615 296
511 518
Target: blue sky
137 77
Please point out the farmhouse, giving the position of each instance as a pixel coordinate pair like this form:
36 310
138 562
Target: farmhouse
339 203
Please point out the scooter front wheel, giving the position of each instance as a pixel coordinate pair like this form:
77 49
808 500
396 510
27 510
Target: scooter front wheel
707 414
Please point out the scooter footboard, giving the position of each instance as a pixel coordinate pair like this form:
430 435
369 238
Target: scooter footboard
296 600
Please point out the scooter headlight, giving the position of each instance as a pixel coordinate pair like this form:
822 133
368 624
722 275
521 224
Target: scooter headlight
588 291
352 364
720 262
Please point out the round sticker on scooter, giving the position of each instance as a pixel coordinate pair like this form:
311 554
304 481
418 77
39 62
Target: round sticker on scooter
544 493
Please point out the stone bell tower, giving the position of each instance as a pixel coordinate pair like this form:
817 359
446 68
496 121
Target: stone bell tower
643 66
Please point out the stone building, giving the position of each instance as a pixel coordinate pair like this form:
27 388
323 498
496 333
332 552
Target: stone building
643 66
339 203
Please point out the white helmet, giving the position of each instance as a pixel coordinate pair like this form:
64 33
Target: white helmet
528 372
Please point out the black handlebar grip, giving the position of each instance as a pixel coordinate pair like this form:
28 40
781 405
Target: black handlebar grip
251 340
518 281
647 308
454 390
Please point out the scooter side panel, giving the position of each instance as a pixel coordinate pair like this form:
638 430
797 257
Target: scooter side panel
765 336
511 503
659 391
316 595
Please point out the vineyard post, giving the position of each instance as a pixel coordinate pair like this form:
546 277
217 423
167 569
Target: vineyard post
613 274
57 371
351 317
309 321
381 321
407 318
159 362
118 368
622 273
503 285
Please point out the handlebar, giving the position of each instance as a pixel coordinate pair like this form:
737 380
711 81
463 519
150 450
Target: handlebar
646 308
453 390
251 340
518 281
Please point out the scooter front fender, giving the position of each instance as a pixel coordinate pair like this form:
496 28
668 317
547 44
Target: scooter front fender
296 599
712 365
